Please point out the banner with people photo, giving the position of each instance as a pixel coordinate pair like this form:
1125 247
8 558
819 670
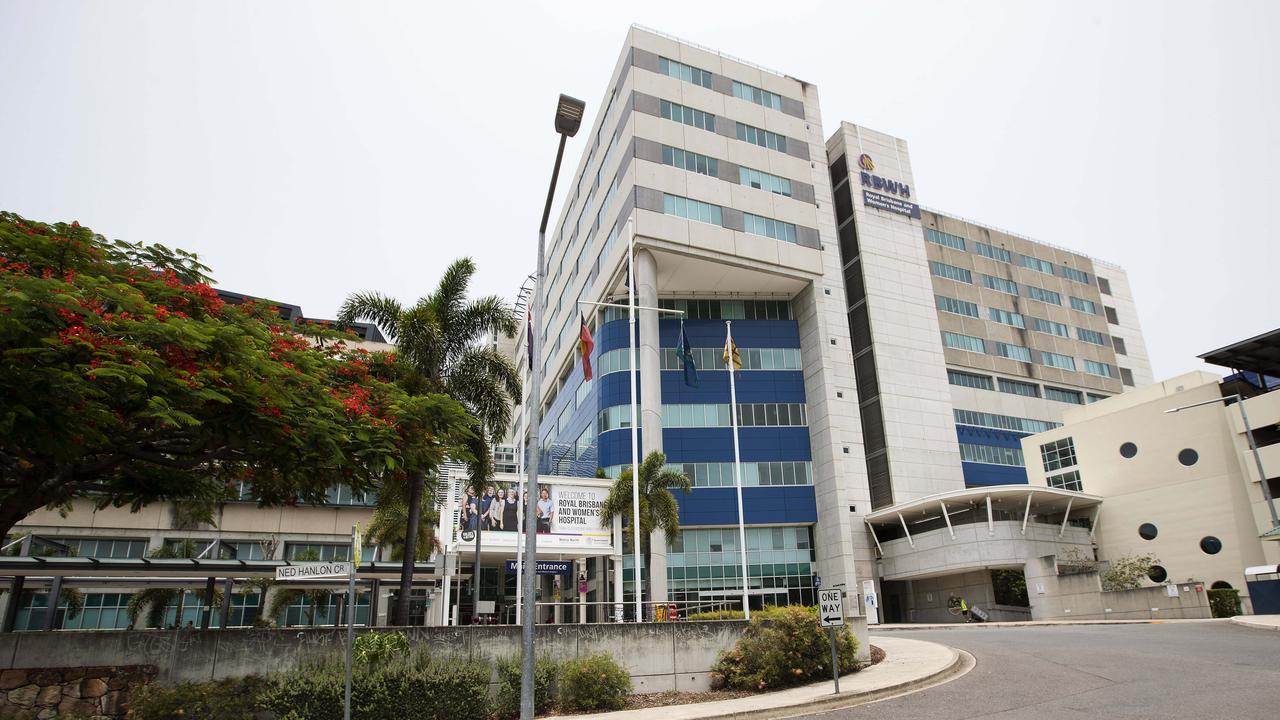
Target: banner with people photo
568 516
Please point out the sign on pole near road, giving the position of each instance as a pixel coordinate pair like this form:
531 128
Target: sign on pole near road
831 608
831 616
306 571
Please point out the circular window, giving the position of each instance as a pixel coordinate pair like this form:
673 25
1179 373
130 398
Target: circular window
1188 457
1210 545
1220 585
1147 531
1157 574
1128 450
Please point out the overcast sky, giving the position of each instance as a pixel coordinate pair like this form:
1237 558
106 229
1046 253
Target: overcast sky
308 150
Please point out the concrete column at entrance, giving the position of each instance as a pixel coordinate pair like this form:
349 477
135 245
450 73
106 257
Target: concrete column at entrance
619 588
582 596
557 596
650 361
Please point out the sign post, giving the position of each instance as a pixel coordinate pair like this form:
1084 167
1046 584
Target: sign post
831 616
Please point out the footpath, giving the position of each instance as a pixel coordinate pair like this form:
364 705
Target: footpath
1037 623
1257 622
908 665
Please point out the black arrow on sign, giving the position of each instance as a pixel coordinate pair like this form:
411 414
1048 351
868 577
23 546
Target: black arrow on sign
830 619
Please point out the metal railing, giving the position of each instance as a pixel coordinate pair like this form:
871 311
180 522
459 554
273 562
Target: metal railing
573 613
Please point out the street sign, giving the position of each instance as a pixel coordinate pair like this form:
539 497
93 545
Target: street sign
305 571
546 567
831 608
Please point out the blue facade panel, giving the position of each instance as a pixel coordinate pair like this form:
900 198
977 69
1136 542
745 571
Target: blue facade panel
984 474
746 333
688 445
753 386
760 506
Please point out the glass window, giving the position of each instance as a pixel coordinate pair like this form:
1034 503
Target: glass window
691 161
958 307
746 92
1075 275
1000 284
951 272
963 342
1014 387
1050 327
1112 317
1037 264
1062 362
964 379
1013 352
763 138
991 454
1085 306
691 209
995 253
1126 376
775 229
1044 296
1006 317
688 116
1104 285
1058 454
1091 336
1067 396
1097 368
1002 422
1066 481
764 181
941 238
1118 344
684 72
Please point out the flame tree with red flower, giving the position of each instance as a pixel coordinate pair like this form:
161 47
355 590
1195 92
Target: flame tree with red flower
126 380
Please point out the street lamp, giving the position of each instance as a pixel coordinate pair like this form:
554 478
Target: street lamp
568 120
1253 446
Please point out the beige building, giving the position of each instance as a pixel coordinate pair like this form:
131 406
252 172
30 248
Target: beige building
1182 486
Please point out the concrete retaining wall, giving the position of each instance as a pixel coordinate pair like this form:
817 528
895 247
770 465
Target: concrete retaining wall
659 656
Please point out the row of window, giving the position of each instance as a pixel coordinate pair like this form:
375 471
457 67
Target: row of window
1061 455
998 253
1003 285
133 548
1002 422
1018 387
991 454
684 72
618 417
752 358
691 161
754 474
761 137
969 343
726 309
687 115
749 93
691 209
1007 317
764 181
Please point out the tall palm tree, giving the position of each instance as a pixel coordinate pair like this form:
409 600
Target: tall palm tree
658 507
440 338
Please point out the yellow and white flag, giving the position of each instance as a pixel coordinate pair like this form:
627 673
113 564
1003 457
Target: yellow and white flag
731 350
357 540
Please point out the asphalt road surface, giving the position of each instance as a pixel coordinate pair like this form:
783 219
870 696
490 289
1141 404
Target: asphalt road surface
1165 671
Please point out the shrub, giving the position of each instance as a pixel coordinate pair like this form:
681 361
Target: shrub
229 699
416 687
507 704
376 648
781 647
1127 572
594 683
1224 602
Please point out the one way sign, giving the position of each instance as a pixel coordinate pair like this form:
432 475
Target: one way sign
830 608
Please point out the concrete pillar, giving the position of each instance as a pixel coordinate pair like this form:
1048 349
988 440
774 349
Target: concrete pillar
619 589
650 360
582 596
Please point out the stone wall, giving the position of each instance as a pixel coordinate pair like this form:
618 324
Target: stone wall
90 692
659 656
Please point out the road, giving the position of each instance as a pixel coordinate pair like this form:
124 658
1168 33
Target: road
1162 671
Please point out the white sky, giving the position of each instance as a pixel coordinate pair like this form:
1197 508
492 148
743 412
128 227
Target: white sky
308 150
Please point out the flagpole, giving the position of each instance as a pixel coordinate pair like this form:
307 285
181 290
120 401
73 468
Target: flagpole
519 527
737 463
635 429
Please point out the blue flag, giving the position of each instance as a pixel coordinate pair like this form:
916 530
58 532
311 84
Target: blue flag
686 357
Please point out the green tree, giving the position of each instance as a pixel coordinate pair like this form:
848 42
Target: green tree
658 507
124 378
156 600
1128 571
441 340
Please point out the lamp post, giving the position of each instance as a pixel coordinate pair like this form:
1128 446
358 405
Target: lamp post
1253 446
568 120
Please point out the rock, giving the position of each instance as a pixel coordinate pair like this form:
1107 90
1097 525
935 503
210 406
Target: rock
76 707
72 674
47 713
10 679
24 696
71 690
95 687
47 677
51 695
113 703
